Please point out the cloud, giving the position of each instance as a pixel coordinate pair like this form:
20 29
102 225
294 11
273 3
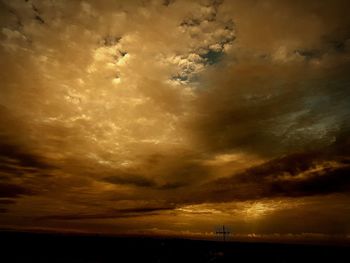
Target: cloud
6 201
191 103
117 213
142 181
9 190
130 179
297 175
271 109
14 159
275 90
3 210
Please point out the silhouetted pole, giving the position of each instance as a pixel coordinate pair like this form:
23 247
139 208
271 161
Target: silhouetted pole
223 233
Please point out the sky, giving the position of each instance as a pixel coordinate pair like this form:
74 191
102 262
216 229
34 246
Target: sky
175 117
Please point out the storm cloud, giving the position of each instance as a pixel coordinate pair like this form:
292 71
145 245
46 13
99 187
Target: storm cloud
296 175
144 115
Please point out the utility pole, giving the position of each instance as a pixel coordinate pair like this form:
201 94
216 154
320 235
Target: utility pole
223 232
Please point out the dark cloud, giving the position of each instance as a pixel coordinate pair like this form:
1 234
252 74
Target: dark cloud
310 53
39 19
140 180
240 112
6 201
15 160
16 157
296 175
189 22
130 179
275 104
117 213
272 109
172 185
3 210
168 2
335 43
23 158
110 40
326 181
13 190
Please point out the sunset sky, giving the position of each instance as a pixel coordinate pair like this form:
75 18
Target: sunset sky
172 117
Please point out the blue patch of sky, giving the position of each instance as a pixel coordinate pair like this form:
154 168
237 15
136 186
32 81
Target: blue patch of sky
213 57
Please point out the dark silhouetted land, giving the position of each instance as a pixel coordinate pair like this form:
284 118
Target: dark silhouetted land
40 247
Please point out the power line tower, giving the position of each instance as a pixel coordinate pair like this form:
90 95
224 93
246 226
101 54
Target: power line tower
224 232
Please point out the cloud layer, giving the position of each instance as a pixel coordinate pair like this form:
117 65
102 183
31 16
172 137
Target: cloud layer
125 115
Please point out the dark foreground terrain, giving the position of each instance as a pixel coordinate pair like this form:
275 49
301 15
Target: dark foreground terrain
29 247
